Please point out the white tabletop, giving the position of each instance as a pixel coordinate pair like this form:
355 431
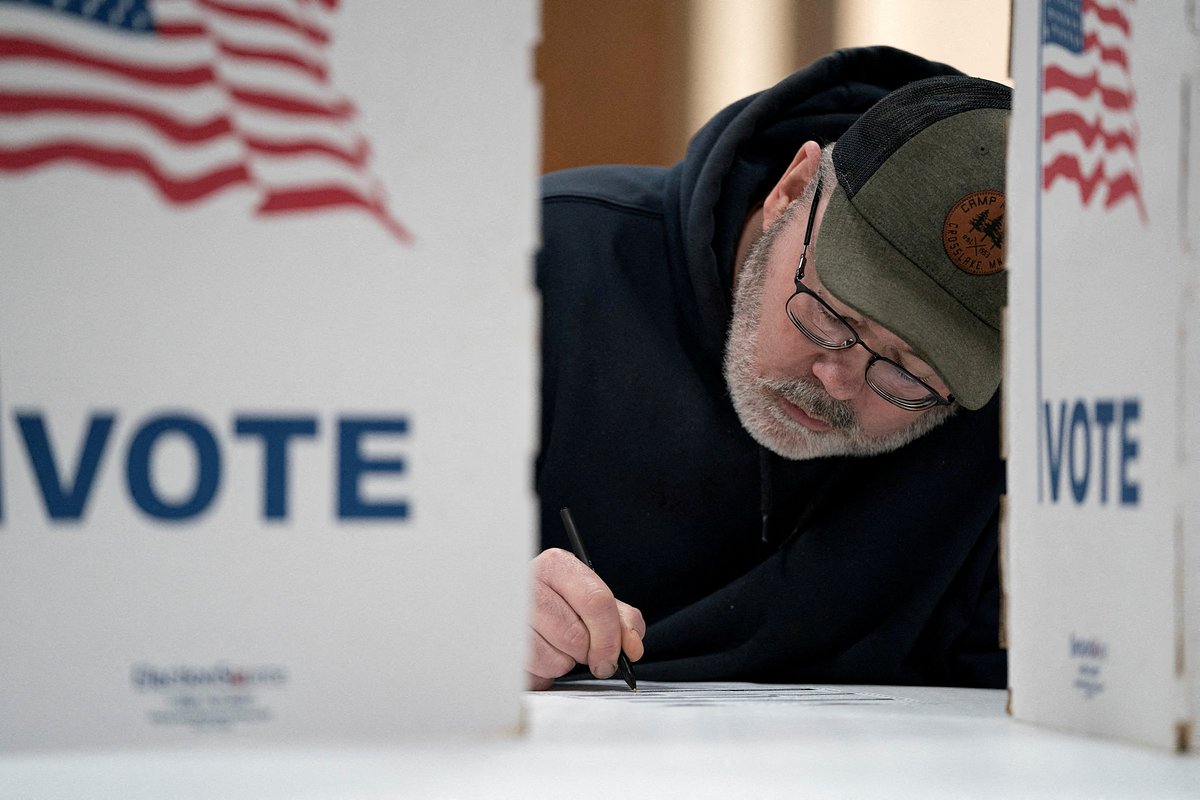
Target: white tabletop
597 740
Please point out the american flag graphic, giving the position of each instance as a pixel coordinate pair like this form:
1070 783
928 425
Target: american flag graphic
193 96
1089 130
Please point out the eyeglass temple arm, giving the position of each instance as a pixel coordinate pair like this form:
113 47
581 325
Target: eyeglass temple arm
812 218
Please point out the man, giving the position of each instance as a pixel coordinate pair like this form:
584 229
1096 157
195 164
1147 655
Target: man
769 390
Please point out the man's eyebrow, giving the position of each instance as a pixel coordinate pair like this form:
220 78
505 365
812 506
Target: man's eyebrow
917 363
853 320
900 349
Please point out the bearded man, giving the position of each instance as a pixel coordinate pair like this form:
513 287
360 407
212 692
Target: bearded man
769 390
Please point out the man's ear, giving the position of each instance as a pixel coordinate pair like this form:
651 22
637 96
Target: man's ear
797 176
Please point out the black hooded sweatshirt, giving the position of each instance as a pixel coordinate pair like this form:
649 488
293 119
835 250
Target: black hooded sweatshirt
747 566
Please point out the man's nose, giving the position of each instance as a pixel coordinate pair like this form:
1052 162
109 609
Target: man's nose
842 372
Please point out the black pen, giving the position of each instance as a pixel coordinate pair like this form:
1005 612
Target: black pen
581 553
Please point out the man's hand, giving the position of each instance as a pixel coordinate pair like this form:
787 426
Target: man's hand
576 620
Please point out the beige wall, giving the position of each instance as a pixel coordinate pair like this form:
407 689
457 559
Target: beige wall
613 81
972 35
630 80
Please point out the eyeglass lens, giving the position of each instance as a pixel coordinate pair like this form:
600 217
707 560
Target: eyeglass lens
819 323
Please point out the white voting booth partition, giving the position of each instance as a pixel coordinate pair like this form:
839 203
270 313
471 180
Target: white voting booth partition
1103 369
267 341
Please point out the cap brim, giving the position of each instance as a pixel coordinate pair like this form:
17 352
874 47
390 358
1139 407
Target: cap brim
864 271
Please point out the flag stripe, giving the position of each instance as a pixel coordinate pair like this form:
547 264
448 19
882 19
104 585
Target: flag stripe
1109 15
14 47
1122 186
355 158
330 196
1070 121
177 190
268 16
1112 55
1066 166
171 127
181 30
338 109
280 57
1084 85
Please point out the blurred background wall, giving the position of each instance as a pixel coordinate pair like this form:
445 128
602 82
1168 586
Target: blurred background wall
630 80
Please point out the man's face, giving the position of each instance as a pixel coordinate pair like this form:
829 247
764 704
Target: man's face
795 397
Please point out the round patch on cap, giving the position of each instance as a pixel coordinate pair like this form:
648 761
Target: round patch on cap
973 233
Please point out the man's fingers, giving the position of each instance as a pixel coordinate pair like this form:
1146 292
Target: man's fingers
633 629
593 604
556 622
547 662
539 684
576 619
632 618
598 609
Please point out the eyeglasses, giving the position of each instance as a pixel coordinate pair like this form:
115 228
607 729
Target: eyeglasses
813 317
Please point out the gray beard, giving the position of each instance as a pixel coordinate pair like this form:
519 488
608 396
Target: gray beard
756 398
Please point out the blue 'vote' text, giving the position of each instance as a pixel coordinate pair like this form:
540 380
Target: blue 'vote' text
1093 445
65 482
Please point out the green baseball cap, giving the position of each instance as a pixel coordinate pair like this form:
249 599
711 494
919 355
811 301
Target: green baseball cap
913 236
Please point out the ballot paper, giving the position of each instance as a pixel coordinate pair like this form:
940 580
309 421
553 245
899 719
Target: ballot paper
702 711
720 694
